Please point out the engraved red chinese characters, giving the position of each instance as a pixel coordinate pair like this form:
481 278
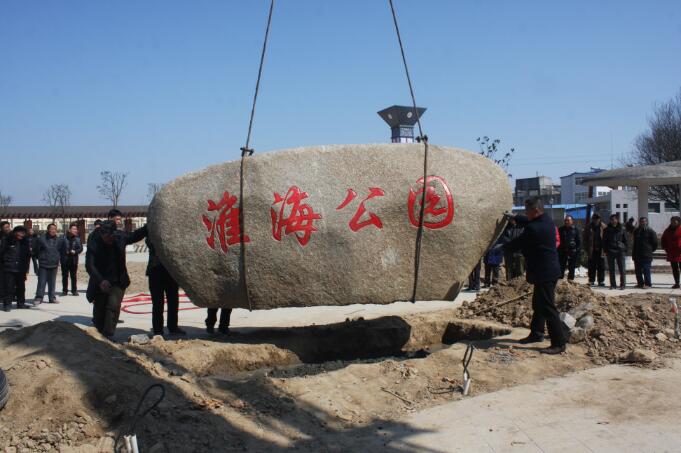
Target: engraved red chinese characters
224 223
373 219
293 216
439 204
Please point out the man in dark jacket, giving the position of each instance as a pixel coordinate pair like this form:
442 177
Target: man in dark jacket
645 244
513 261
5 229
538 244
46 248
14 259
70 249
615 247
162 286
570 247
105 263
593 243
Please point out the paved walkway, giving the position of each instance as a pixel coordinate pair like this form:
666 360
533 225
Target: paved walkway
615 408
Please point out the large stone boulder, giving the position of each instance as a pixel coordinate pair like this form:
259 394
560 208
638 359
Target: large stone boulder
329 225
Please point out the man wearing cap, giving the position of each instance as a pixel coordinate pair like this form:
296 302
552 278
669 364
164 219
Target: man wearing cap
15 256
105 263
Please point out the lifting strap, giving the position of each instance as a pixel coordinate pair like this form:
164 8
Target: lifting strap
424 139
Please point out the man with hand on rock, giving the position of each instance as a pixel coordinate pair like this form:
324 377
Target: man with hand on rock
538 245
105 263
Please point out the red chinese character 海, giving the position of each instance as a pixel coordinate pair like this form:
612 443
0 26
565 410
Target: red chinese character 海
435 214
225 224
298 220
355 224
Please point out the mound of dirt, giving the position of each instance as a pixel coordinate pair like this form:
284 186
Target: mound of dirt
71 388
621 324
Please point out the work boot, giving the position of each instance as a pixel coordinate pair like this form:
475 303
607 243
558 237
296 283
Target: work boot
64 293
676 286
23 306
553 350
531 338
74 293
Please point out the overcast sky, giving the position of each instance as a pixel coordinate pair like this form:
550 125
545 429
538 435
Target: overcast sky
160 88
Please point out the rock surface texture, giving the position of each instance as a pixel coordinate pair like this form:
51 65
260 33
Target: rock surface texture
329 225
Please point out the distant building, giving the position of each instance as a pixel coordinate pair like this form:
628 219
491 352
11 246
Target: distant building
38 217
624 203
571 191
538 186
401 120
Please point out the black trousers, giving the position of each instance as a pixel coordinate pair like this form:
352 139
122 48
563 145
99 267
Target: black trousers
69 268
474 278
224 318
491 274
568 262
14 285
596 267
546 314
675 271
616 258
107 309
163 288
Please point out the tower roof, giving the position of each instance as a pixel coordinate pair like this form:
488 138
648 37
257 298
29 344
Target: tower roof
400 115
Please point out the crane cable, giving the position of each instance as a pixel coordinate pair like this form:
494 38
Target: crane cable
424 139
247 152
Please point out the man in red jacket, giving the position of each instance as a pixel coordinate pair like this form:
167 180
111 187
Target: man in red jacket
671 243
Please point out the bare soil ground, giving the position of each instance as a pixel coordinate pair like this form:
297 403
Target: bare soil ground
268 389
138 280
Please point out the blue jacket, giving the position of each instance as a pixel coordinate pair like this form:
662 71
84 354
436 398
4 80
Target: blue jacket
538 244
494 256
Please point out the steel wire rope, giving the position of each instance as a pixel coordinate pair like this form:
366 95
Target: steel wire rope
423 138
245 152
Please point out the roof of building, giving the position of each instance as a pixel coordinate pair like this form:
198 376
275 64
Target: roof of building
72 212
593 171
397 115
666 173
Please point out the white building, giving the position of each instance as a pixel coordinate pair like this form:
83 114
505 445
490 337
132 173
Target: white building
572 192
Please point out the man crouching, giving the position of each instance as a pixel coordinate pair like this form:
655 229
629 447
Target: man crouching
105 263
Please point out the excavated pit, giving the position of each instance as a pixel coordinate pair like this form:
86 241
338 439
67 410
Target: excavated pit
353 340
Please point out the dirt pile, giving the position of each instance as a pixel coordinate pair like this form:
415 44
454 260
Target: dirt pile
620 324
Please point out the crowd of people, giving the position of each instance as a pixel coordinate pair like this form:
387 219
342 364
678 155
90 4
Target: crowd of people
600 242
105 263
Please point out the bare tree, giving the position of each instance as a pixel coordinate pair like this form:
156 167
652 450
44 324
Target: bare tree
112 185
152 189
491 149
58 197
661 143
5 200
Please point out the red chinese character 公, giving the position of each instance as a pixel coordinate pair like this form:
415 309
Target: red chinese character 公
225 224
355 224
298 220
435 214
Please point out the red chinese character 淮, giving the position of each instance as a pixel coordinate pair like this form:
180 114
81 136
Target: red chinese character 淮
293 216
355 223
225 223
437 213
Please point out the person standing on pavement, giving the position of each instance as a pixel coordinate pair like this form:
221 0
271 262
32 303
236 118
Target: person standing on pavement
671 243
615 247
513 261
645 244
538 244
46 248
569 248
223 326
31 240
5 229
105 263
15 258
70 249
162 287
593 242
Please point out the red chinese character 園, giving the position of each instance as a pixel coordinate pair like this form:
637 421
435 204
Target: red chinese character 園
436 213
355 223
293 216
224 223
